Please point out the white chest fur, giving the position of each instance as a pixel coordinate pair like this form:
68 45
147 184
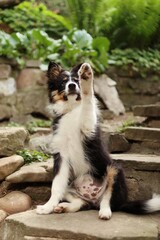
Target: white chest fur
68 141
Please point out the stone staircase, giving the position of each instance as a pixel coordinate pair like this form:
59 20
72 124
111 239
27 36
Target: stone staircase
138 151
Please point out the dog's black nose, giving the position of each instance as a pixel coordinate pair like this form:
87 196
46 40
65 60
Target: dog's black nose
72 86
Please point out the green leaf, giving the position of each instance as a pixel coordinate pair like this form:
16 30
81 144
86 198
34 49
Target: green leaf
82 39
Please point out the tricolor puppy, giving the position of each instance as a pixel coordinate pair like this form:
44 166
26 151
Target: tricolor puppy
84 175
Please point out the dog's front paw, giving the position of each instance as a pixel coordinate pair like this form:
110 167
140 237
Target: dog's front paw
105 213
44 209
85 72
86 78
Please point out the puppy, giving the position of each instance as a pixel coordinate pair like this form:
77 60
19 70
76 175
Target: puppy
84 175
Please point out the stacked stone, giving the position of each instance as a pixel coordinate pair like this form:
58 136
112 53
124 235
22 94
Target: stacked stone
13 171
7 88
147 137
21 95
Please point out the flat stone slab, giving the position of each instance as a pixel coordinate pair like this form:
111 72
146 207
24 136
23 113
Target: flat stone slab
138 161
34 172
143 134
81 225
152 110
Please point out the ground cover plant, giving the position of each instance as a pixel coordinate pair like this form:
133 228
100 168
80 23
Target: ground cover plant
140 61
30 156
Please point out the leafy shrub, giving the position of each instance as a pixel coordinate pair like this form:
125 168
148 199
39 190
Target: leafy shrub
32 156
142 61
76 46
34 44
79 46
29 15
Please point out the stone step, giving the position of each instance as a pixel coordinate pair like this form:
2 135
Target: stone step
82 225
143 134
152 110
142 173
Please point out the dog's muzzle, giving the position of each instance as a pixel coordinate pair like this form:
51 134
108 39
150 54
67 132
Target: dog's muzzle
72 89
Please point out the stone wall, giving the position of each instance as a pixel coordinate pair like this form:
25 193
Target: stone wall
135 89
23 92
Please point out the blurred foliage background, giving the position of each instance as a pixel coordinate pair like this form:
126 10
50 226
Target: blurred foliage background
102 32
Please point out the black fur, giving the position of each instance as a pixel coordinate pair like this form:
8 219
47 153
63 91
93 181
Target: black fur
136 207
57 164
56 122
96 154
120 191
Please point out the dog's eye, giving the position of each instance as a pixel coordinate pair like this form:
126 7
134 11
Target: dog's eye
63 83
75 79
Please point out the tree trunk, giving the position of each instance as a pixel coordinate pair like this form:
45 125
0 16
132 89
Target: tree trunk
9 3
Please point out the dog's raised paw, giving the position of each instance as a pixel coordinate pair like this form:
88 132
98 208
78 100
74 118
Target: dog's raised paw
105 214
85 71
43 209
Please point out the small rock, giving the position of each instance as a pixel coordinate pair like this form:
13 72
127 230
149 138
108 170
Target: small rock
7 87
15 202
32 100
105 88
12 139
3 215
35 172
5 71
6 112
115 142
42 143
10 164
118 143
30 77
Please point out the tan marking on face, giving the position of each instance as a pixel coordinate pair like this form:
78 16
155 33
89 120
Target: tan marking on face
58 96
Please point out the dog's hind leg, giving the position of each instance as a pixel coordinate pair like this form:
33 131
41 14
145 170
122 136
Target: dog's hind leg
74 204
105 209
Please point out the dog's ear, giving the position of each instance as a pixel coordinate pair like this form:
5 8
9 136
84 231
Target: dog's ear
54 70
76 68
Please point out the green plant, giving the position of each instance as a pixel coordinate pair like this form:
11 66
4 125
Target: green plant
30 15
126 124
141 61
34 44
38 123
79 46
76 46
32 156
132 23
88 15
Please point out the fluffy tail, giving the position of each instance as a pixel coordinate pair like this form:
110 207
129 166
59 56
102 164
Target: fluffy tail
142 207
